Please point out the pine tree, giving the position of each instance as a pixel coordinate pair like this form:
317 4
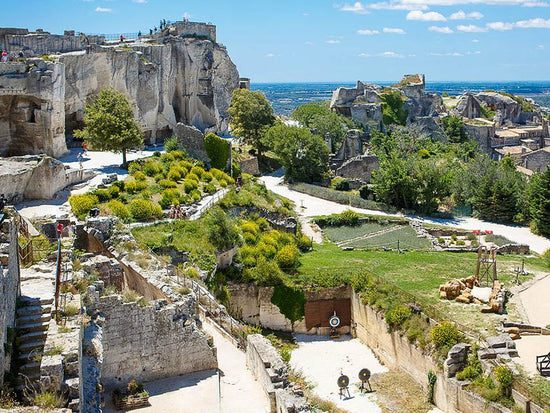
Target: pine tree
540 207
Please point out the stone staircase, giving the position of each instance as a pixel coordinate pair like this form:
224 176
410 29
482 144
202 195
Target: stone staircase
32 323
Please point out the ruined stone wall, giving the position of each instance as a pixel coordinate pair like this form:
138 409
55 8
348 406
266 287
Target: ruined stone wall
253 304
196 29
32 118
482 134
250 166
537 161
91 357
395 351
9 291
360 168
271 371
38 44
150 343
36 177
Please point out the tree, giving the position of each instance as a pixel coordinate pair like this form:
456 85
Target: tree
318 116
110 124
540 202
222 232
217 150
303 155
454 129
251 117
392 108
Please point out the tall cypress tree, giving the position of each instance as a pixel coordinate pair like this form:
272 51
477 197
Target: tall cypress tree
540 207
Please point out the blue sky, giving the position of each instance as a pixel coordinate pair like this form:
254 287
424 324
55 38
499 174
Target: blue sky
318 40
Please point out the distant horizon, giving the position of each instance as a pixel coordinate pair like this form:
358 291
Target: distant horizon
389 81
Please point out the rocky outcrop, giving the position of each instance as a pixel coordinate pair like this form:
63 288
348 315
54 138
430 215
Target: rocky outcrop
426 126
36 177
467 107
359 167
32 118
180 75
363 103
192 140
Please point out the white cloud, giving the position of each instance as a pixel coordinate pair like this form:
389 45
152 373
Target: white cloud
140 1
367 32
540 46
332 41
396 6
391 54
454 54
103 9
187 15
461 15
437 29
475 41
305 14
537 23
431 16
308 43
500 26
270 55
364 55
525 3
393 30
470 28
356 7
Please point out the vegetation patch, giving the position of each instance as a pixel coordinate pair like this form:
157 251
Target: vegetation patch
290 301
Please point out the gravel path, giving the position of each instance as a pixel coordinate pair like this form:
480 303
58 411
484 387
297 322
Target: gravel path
309 206
321 360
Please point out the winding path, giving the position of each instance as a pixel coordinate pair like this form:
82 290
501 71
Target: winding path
309 206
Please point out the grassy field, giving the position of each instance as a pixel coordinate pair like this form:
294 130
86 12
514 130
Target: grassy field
352 236
417 272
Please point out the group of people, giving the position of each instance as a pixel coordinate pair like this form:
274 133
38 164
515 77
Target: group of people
177 212
6 57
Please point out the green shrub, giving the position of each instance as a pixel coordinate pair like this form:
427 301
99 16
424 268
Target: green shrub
223 183
397 316
174 175
151 168
303 243
441 240
134 167
287 257
189 185
170 196
342 185
133 187
460 242
167 158
119 184
114 191
143 209
249 238
250 226
198 171
207 177
217 150
179 155
546 257
167 183
102 194
192 177
83 203
216 173
505 379
210 188
171 144
346 218
119 210
445 335
471 237
267 250
365 192
139 176
195 195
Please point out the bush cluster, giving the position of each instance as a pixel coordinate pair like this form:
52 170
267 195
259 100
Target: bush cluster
83 203
445 335
347 218
144 209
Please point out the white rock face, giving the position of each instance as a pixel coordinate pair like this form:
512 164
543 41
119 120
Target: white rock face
184 80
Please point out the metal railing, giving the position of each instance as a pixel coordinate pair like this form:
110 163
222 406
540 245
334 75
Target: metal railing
213 200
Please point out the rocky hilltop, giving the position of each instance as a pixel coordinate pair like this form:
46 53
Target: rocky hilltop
180 74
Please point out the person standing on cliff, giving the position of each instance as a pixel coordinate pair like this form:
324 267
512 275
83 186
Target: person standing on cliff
4 56
59 228
121 39
84 148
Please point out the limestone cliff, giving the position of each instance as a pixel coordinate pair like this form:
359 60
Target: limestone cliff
178 75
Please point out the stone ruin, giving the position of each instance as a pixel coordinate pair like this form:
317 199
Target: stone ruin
364 102
351 161
179 75
467 290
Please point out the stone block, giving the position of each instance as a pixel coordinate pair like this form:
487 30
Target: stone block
51 371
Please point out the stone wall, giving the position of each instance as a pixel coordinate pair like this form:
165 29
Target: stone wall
360 168
250 166
253 304
482 134
192 140
41 43
32 117
537 161
396 352
9 291
271 371
149 343
36 177
91 358
196 29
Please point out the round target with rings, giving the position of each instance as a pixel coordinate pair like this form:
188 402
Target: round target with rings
364 374
334 321
343 381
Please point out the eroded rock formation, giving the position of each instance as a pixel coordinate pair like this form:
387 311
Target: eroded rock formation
178 75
